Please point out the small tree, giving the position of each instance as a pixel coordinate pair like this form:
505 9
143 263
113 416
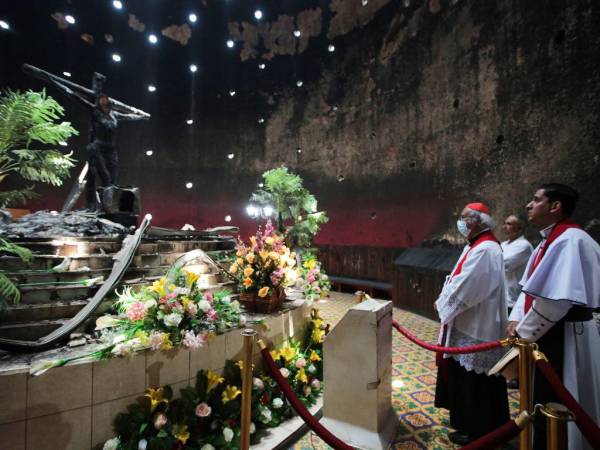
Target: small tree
28 119
295 206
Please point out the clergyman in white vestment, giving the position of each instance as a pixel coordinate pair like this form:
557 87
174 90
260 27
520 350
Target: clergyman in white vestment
516 251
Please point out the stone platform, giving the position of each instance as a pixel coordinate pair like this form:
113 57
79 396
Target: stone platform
72 407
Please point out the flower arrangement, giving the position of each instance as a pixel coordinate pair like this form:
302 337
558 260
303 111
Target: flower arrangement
265 265
207 415
312 279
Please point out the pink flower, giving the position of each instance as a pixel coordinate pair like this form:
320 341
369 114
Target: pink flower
316 384
203 410
136 311
190 340
300 363
212 314
209 297
284 372
160 420
269 230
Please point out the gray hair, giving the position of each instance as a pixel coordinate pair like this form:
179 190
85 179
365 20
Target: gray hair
482 218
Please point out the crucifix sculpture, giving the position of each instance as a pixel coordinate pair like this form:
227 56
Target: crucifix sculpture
106 113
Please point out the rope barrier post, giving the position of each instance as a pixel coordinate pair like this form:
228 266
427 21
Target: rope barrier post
248 337
557 417
525 389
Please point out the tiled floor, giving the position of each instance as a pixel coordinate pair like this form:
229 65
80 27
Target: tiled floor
413 383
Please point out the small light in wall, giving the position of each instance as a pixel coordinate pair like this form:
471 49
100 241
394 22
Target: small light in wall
151 88
70 19
406 3
299 83
340 178
189 185
261 185
251 210
193 68
193 18
230 43
228 218
230 155
232 93
262 66
116 57
149 152
67 74
4 25
63 143
189 121
261 120
258 14
268 210
152 38
297 33
299 150
365 2
331 48
117 4
335 107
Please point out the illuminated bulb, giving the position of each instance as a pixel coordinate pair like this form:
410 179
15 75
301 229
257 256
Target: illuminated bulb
193 68
189 121
149 152
63 143
227 218
260 185
67 74
299 150
268 210
152 38
192 17
331 48
232 93
70 19
189 185
365 2
261 120
299 83
148 216
4 25
297 33
251 210
116 57
262 66
258 14
117 4
230 155
151 88
230 43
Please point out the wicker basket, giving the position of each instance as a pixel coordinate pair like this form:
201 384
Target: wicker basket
265 305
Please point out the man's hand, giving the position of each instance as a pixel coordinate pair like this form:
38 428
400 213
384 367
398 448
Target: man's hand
511 329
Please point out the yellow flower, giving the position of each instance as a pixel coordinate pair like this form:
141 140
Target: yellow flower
250 258
274 256
213 380
239 261
159 286
275 355
253 240
156 397
247 282
288 353
233 268
240 364
310 264
166 343
248 271
171 287
263 291
314 356
143 337
318 335
181 433
301 375
190 277
230 393
263 254
270 240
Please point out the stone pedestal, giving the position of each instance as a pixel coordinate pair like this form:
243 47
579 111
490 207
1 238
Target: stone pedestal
357 401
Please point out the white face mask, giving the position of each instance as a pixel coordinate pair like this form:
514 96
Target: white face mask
462 227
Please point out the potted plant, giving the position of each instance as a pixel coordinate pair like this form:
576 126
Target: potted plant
263 268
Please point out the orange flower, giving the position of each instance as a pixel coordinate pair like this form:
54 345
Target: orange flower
248 271
263 291
247 282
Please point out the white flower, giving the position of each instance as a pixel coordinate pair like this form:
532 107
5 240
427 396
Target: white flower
111 444
204 305
243 320
226 300
119 338
235 305
172 320
316 384
150 304
207 447
227 434
312 368
277 403
265 415
252 428
307 390
142 444
181 291
258 383
190 340
284 372
324 277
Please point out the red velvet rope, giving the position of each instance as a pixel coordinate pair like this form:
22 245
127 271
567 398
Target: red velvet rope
585 423
450 350
314 424
496 438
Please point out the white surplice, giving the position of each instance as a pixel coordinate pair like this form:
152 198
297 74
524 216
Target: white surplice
567 275
516 253
473 305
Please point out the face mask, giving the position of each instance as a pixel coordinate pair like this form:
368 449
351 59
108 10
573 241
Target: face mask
462 227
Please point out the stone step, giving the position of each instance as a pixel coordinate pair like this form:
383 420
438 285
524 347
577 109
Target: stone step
41 311
31 330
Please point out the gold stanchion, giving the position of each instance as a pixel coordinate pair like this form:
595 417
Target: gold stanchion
525 389
557 416
360 296
248 335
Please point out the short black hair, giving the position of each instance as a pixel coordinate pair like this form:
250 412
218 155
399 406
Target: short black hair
562 193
